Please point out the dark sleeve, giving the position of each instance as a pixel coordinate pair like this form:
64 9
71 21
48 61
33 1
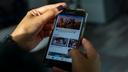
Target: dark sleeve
14 59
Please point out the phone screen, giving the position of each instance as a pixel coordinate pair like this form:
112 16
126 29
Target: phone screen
65 35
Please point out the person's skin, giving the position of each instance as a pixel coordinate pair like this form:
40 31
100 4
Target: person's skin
87 61
37 24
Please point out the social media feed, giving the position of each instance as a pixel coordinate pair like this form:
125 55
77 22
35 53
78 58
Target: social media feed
65 36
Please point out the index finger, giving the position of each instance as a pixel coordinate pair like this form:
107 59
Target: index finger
48 7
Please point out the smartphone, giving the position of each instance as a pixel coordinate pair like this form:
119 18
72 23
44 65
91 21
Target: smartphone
68 30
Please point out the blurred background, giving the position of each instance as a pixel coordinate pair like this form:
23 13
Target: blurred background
107 26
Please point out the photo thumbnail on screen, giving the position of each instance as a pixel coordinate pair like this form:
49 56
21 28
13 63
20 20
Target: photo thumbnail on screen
59 41
73 43
55 54
69 21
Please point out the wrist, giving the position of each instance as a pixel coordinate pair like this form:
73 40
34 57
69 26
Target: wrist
19 40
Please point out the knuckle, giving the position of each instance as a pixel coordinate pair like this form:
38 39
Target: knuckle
29 12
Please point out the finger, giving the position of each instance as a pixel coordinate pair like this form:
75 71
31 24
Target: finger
90 50
43 9
55 69
47 33
78 60
42 34
47 30
51 21
46 16
75 54
48 27
52 6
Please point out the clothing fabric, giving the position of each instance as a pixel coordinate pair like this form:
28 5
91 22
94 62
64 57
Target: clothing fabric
14 59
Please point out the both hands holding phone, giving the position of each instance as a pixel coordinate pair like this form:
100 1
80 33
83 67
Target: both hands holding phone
37 24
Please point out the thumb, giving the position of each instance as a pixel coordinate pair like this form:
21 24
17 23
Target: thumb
55 69
75 54
78 60
90 50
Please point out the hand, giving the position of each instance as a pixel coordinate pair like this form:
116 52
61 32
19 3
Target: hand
88 61
35 26
56 69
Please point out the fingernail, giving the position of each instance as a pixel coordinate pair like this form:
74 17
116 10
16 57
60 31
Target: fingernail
60 8
84 40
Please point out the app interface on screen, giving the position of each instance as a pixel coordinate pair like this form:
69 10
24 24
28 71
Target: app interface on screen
65 36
